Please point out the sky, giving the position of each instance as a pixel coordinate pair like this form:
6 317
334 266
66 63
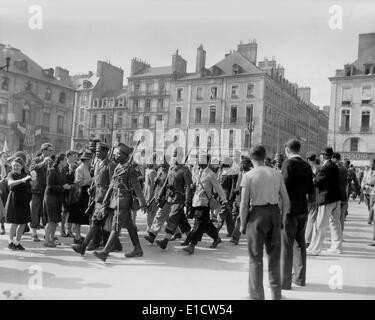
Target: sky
78 33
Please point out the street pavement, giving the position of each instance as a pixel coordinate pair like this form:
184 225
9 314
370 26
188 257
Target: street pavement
220 273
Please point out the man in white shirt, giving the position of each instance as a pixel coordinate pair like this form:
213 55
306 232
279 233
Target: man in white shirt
262 187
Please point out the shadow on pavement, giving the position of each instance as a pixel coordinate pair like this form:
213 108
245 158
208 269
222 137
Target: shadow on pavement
318 287
22 277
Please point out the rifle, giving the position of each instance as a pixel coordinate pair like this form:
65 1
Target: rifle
164 187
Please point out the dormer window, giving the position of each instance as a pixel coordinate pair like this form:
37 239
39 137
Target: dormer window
105 102
86 84
369 69
348 70
236 69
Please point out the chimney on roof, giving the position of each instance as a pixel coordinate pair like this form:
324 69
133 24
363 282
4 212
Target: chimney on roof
304 93
366 45
62 74
201 59
178 64
249 51
138 66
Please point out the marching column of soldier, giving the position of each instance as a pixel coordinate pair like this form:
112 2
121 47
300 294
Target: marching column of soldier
279 204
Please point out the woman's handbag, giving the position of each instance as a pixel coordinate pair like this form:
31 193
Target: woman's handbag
74 194
4 188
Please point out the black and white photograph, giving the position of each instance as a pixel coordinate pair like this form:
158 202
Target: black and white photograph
187 150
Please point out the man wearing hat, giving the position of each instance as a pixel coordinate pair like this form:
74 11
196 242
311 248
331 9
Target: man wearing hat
327 182
246 165
98 189
92 149
228 180
124 182
178 193
40 166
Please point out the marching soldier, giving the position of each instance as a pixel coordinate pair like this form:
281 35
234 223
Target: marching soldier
124 182
162 214
228 179
205 182
102 179
246 165
178 193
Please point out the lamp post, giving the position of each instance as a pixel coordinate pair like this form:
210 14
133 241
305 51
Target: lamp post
7 52
250 127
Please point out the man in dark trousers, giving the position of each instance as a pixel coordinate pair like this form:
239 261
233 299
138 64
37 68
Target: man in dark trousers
98 189
262 187
298 179
124 182
327 182
344 186
178 193
39 165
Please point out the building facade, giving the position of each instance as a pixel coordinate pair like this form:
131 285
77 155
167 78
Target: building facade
99 99
36 104
246 104
351 123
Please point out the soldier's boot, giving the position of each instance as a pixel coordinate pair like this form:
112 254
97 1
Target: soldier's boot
162 243
117 247
103 255
137 251
187 240
81 248
150 237
189 249
91 242
96 240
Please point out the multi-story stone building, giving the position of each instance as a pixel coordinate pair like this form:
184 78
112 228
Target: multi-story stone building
235 95
351 121
149 94
36 104
99 99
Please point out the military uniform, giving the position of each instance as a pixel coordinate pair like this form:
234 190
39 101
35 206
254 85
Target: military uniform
178 193
120 196
161 214
227 177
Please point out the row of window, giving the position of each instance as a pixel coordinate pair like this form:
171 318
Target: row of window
212 115
346 120
46 118
28 87
149 87
146 121
213 92
147 107
104 103
366 93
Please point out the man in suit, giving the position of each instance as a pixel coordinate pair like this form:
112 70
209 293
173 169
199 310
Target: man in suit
327 182
298 178
343 184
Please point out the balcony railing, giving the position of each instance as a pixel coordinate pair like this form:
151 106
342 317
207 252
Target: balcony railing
367 102
365 130
344 129
146 93
346 103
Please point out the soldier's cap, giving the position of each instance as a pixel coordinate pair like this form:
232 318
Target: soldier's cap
311 156
45 146
327 151
125 149
86 156
227 161
102 145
